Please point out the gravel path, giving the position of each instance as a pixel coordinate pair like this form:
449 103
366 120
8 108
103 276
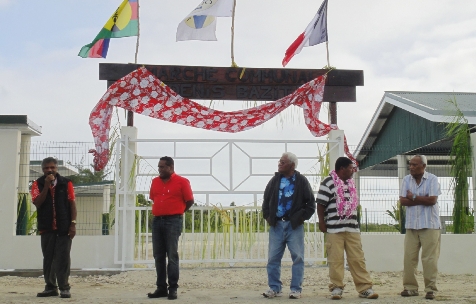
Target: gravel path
229 285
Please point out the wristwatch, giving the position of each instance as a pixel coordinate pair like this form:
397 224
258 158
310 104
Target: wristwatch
73 221
414 197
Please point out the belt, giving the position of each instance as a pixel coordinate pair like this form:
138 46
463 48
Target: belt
163 217
283 218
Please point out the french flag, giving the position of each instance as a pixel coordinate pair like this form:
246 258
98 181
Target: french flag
315 33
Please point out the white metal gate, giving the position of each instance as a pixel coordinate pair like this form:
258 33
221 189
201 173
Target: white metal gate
212 232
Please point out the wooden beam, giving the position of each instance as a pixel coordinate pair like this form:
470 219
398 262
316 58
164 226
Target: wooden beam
227 83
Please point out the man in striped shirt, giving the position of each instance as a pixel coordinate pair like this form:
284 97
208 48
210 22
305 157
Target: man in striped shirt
337 210
419 193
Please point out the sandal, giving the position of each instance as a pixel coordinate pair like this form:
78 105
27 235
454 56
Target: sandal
409 293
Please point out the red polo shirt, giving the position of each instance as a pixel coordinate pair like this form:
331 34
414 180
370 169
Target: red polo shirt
169 198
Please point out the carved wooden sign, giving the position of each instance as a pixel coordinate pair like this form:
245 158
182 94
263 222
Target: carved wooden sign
228 83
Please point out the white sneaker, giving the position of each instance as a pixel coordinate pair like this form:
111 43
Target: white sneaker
336 293
271 294
295 294
368 294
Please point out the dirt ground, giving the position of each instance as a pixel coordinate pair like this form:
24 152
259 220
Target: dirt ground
229 285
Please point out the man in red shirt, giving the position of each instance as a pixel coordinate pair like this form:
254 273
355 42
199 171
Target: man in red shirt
53 196
171 195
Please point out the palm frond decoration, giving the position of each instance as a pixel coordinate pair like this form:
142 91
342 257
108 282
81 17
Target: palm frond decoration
460 160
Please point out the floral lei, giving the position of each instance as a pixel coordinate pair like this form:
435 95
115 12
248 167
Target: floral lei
345 207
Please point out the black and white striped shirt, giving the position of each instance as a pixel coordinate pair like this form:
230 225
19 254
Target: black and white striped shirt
327 197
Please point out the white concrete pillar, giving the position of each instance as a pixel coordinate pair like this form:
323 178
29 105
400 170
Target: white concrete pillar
24 163
24 205
336 151
401 170
106 198
356 178
126 220
10 140
473 167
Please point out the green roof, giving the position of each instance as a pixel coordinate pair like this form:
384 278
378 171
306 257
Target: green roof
410 123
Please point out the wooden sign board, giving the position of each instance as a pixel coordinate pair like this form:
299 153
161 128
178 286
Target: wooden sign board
249 84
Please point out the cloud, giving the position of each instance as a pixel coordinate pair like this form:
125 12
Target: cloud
5 3
400 45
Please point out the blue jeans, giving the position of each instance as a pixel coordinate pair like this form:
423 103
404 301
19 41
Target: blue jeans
280 236
166 231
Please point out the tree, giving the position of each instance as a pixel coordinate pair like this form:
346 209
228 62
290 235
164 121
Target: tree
460 159
87 176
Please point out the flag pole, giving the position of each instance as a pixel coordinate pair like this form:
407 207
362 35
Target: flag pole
130 114
332 105
327 49
138 33
233 64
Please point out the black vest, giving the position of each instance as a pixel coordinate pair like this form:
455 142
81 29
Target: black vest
62 207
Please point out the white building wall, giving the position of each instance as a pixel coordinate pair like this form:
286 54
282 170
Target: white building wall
24 252
384 252
10 140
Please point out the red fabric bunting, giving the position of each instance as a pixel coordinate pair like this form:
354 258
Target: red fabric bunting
143 93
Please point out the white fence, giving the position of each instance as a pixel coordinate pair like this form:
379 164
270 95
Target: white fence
237 171
227 235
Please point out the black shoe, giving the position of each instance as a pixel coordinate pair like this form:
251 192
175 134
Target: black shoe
172 295
48 293
158 293
430 295
65 293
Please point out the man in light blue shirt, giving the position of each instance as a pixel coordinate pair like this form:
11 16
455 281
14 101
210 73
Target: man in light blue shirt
419 193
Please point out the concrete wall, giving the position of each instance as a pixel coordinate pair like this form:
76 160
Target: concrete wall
89 215
24 252
384 252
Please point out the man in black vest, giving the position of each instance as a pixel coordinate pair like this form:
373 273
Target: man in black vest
53 196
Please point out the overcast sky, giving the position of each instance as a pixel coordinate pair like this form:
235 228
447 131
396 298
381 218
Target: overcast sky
403 45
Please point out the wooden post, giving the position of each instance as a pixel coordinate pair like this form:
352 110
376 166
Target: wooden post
333 112
130 118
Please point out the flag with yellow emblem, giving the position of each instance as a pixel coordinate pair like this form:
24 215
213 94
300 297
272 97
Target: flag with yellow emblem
201 23
123 23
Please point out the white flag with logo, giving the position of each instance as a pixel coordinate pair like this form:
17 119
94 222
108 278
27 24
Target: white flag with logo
201 23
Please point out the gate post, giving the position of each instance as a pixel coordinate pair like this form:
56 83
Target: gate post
126 220
336 151
402 172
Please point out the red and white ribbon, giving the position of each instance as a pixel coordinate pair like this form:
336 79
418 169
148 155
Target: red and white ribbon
143 93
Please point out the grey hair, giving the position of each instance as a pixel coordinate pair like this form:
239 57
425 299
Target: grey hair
422 158
49 160
292 158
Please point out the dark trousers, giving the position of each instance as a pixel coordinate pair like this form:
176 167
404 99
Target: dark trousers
56 260
166 231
